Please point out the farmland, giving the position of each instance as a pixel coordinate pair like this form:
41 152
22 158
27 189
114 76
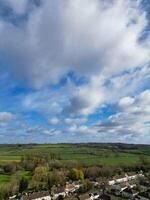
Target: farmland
40 166
86 154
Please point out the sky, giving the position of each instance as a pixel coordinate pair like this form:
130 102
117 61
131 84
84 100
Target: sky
74 71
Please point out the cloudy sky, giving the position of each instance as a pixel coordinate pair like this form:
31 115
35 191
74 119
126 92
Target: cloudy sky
74 71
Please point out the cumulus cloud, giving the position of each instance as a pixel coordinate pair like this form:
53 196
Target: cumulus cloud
75 121
132 122
54 121
44 101
5 117
87 98
82 130
71 35
126 101
41 131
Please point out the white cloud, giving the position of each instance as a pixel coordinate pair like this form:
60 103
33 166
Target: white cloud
139 105
132 123
44 101
82 130
87 98
54 121
75 121
72 35
42 131
126 101
5 117
51 132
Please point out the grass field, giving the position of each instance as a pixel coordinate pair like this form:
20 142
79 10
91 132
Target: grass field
4 178
88 154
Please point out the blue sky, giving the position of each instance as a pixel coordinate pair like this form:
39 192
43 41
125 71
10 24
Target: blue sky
74 71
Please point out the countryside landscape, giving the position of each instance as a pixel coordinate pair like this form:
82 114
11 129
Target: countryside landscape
74 99
36 167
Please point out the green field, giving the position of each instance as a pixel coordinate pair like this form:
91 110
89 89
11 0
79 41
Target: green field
87 154
4 178
25 168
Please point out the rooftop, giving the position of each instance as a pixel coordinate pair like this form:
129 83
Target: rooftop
35 195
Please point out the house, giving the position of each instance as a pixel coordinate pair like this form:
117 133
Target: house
65 190
133 176
99 196
94 196
143 196
72 198
95 183
129 193
112 182
144 182
118 188
104 197
60 191
71 187
37 196
118 179
84 197
125 178
13 197
121 178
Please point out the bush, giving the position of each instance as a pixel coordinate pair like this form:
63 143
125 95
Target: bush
86 186
76 174
10 168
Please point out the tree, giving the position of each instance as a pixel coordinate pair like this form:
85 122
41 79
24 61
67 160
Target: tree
86 186
143 160
76 174
14 186
56 178
92 172
40 178
31 161
23 184
9 189
10 168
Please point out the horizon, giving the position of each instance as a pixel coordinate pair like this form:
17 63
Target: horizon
74 71
80 143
